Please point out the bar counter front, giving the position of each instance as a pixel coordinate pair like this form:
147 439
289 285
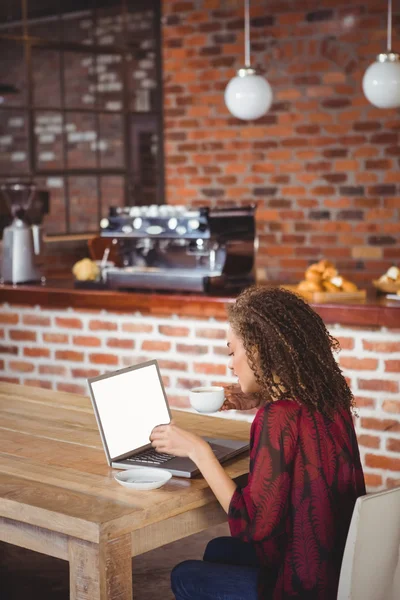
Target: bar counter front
54 336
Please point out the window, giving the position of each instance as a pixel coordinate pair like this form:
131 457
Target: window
85 120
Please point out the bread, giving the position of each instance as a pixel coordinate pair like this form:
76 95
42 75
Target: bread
393 274
309 286
324 277
312 274
324 264
348 286
331 287
85 270
329 273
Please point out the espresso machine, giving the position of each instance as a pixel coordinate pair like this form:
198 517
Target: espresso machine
22 207
176 248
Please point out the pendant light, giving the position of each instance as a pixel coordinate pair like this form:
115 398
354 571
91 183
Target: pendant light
381 81
248 96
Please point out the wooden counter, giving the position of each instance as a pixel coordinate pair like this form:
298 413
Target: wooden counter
60 293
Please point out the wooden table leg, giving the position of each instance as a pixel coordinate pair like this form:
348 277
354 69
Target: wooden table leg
100 571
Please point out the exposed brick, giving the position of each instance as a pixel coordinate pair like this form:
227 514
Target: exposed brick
9 379
36 320
41 383
84 373
19 365
103 359
391 406
97 325
156 346
191 349
372 480
23 336
346 343
381 240
393 444
68 323
86 340
52 370
69 355
212 334
370 441
173 331
72 388
188 384
172 365
358 364
55 338
137 328
392 483
9 318
377 461
392 366
380 424
8 349
319 15
37 352
378 385
361 401
120 343
178 401
209 369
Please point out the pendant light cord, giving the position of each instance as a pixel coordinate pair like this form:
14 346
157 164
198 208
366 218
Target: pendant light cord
247 33
389 27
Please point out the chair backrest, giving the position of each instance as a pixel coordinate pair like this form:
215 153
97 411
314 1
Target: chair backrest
371 561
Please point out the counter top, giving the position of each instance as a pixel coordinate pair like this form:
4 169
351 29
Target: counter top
60 293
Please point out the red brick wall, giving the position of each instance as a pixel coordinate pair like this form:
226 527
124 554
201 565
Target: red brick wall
58 349
323 164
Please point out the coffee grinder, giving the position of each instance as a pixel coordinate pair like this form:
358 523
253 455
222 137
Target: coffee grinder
25 205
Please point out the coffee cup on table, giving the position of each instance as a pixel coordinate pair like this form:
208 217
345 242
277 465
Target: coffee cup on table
207 399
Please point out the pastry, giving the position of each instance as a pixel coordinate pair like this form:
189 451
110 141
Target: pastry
329 273
331 287
393 274
348 286
324 264
85 270
324 277
309 286
313 274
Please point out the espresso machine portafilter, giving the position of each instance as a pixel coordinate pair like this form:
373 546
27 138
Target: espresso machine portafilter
22 238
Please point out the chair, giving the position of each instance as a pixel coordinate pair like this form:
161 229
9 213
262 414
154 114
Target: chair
371 561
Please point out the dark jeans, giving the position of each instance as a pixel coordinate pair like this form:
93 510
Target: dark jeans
229 571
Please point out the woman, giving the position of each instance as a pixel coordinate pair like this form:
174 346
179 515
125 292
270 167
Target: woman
289 524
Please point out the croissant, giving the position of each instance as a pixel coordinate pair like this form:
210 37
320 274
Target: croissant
85 270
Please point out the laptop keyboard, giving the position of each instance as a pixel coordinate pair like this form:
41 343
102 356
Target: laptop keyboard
152 457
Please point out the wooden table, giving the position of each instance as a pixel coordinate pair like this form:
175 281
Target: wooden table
58 495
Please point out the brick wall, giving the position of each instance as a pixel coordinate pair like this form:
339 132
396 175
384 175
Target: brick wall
323 164
59 349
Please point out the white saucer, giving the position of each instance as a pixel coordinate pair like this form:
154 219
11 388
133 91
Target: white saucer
143 478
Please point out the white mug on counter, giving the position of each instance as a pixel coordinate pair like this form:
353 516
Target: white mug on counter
207 399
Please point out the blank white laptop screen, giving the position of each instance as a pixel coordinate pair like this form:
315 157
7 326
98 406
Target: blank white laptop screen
129 406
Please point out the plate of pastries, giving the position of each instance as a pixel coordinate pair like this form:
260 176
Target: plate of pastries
323 283
389 282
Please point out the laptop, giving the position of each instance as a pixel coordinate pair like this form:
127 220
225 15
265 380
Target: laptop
128 404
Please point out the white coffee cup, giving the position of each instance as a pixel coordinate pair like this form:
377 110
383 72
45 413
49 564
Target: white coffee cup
207 399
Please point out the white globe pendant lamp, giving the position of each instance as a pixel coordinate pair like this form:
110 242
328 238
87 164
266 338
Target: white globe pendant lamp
381 81
248 96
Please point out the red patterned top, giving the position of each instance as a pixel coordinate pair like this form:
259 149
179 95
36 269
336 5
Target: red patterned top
305 476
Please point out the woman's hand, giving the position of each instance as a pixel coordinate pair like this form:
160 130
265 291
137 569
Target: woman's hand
179 442
235 399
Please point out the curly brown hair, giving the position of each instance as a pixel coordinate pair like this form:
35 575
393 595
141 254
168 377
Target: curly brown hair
283 336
